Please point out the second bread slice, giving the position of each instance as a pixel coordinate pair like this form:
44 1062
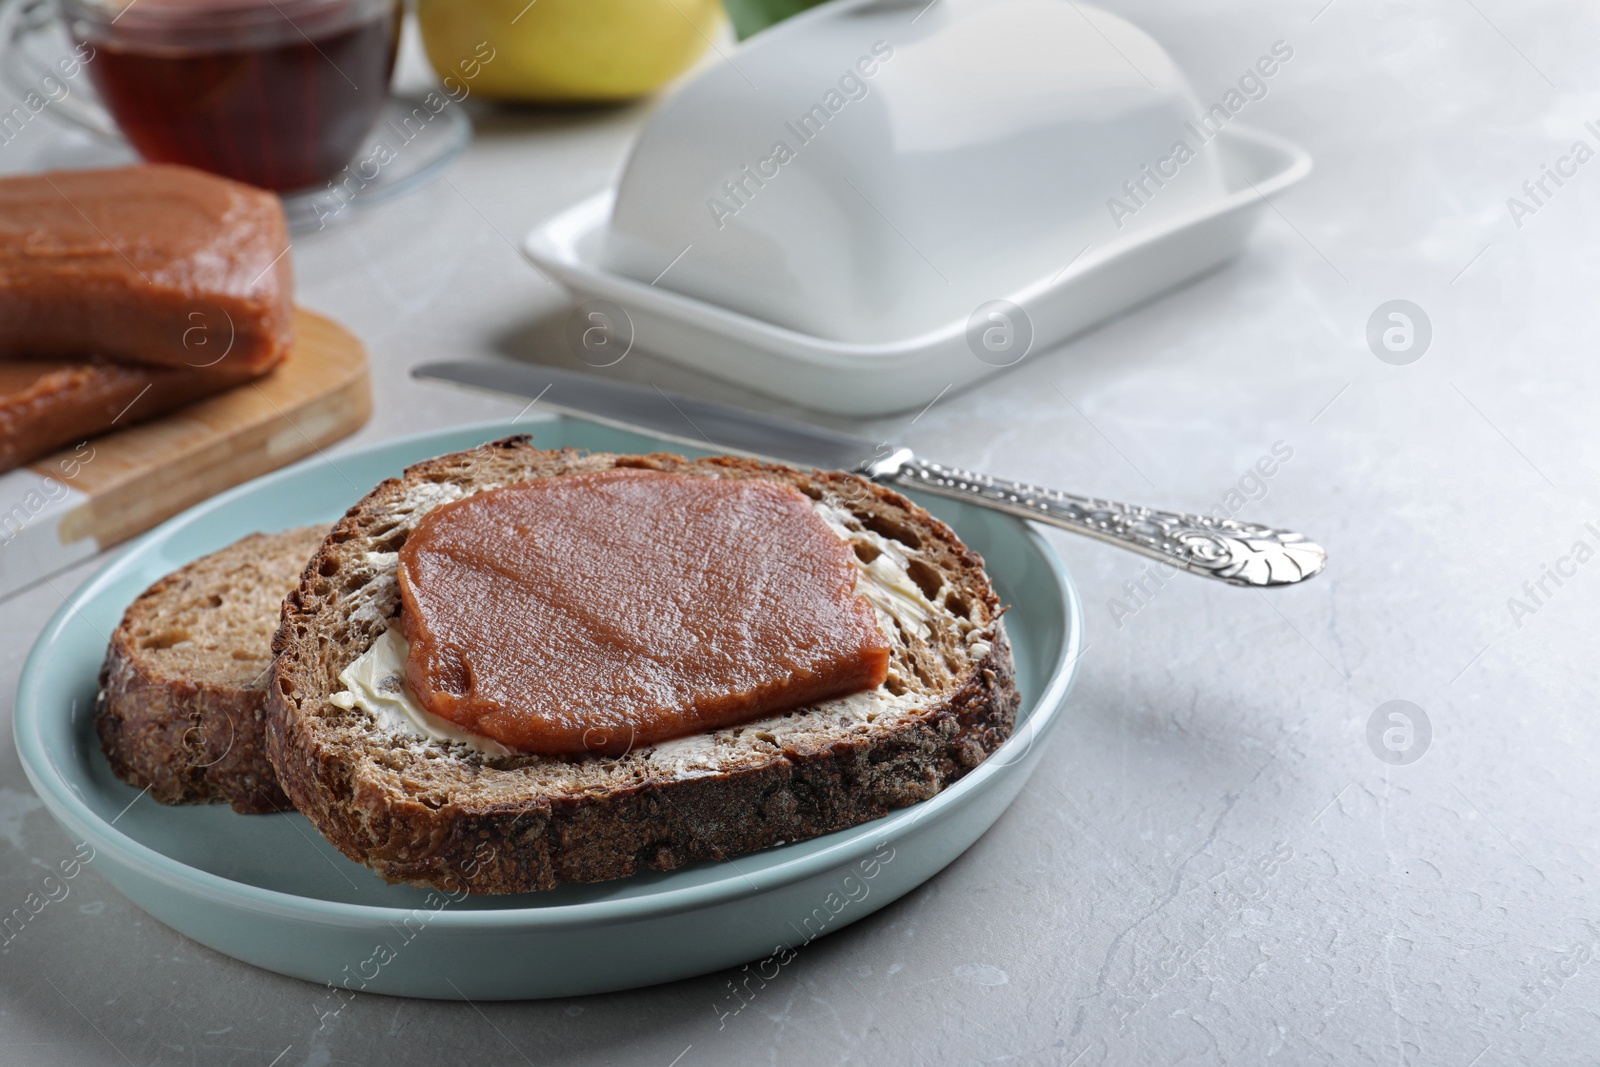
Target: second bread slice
179 710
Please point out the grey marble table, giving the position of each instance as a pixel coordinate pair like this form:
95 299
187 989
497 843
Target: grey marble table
1217 861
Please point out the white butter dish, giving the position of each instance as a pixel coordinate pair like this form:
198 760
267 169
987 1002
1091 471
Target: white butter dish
985 179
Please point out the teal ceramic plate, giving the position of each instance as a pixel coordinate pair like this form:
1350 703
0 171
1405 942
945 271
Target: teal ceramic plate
267 889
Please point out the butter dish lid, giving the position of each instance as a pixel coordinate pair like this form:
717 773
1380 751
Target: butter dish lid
873 170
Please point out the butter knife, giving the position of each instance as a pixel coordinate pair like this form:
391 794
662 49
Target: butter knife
1239 553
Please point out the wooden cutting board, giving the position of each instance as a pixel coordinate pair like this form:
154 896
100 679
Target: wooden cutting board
67 507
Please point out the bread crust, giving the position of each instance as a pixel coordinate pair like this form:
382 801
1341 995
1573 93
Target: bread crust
187 742
443 819
191 739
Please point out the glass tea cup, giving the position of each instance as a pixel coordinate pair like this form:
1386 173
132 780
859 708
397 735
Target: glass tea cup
277 93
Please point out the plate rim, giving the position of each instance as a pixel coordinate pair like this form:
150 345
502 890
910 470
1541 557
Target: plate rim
550 247
63 802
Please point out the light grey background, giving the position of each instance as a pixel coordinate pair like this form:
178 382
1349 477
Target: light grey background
1210 865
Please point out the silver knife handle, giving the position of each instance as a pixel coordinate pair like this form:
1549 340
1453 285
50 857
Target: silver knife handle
1240 553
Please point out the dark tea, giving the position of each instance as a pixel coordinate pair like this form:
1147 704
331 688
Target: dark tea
280 95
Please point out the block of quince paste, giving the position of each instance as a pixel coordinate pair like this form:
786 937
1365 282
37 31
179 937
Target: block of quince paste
46 405
157 265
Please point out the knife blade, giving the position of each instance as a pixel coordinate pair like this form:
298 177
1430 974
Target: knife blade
684 419
1232 551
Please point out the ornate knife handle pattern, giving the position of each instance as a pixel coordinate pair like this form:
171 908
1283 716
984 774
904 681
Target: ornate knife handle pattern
1240 553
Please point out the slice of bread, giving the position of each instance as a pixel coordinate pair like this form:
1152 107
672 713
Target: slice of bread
435 811
182 687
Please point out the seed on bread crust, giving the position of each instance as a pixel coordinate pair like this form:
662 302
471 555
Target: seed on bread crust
441 814
185 675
